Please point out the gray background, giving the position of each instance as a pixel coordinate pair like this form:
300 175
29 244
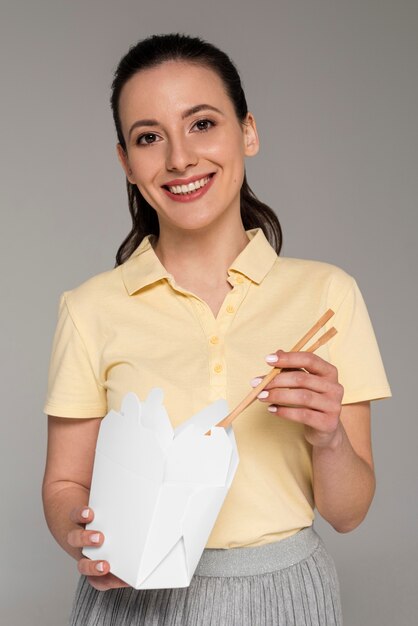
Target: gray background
333 86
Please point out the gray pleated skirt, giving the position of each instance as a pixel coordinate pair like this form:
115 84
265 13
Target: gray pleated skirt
292 582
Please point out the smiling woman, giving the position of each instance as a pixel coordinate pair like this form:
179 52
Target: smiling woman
198 295
209 100
179 137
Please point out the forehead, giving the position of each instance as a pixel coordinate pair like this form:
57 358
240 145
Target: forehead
170 88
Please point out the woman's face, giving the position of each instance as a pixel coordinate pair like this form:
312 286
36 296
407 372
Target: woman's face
185 147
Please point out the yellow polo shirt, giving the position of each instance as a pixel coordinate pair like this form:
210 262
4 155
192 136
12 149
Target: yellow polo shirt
133 328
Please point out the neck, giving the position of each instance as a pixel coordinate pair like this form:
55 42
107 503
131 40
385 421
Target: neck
202 256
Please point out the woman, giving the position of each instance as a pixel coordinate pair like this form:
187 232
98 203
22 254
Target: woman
198 296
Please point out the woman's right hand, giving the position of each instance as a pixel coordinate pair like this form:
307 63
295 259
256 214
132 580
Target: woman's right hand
97 572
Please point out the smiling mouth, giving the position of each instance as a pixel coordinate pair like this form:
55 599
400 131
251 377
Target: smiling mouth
186 190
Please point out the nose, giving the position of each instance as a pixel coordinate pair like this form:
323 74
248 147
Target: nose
180 155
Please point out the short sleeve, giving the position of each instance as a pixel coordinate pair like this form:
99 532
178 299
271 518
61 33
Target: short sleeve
73 389
354 350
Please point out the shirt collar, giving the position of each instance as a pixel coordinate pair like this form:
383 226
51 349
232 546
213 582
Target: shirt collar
143 268
257 258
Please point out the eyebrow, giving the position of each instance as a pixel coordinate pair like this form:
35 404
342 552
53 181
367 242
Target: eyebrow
196 109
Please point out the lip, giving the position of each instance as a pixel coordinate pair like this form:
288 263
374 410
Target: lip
186 181
194 195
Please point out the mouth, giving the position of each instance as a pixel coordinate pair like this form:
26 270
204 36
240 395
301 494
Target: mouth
191 191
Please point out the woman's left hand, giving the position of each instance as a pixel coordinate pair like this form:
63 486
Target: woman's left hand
312 397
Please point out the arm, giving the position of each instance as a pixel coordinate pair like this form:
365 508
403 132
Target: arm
343 474
65 493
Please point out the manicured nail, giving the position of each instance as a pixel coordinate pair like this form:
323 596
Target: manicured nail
272 408
263 394
255 381
100 567
85 513
95 538
272 358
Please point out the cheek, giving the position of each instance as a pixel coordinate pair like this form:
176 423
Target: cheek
236 163
230 157
145 168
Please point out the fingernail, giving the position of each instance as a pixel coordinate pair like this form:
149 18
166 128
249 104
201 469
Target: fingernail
255 381
272 408
100 567
272 358
85 513
263 394
95 538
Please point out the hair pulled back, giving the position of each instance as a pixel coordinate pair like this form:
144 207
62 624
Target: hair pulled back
149 53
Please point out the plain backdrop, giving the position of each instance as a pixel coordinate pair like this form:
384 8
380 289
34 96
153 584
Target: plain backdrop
334 88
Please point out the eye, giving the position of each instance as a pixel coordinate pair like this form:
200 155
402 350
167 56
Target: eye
146 139
204 125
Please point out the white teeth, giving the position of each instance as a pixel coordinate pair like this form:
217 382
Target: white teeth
197 184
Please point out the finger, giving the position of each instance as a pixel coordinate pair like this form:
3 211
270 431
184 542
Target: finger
87 567
256 381
108 581
78 538
316 420
82 515
301 380
301 398
309 361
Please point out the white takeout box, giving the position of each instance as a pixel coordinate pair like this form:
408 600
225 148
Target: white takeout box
157 491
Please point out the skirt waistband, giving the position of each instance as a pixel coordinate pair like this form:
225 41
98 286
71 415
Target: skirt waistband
249 561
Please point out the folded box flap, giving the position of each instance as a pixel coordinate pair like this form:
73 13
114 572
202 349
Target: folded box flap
155 417
202 510
125 440
204 419
195 458
167 526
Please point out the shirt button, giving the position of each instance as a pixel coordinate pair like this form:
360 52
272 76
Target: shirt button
230 308
240 279
218 368
214 339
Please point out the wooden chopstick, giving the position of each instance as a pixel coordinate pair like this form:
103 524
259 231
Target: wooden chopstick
322 340
275 370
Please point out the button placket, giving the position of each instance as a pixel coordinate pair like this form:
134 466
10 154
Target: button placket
216 359
233 301
214 345
215 331
218 373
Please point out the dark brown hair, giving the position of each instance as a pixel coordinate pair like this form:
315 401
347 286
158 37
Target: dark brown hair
149 53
